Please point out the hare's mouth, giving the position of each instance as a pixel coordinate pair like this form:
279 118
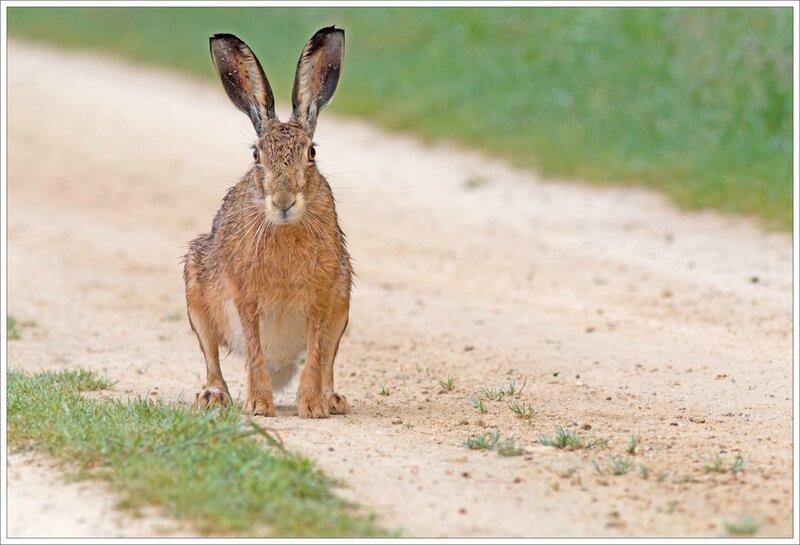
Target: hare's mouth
285 210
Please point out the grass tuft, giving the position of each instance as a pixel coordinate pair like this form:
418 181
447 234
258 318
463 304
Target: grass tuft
743 526
448 385
207 467
497 394
522 410
478 404
491 441
718 465
633 444
570 440
12 329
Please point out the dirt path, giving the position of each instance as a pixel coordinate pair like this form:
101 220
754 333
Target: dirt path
623 315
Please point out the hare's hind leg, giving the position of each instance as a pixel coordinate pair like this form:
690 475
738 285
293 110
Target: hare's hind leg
215 390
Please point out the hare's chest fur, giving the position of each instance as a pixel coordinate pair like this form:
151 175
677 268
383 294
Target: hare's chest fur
282 333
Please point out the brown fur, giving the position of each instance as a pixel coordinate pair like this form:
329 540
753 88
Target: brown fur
270 264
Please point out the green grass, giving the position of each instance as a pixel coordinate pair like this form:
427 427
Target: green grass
694 102
570 440
497 394
478 404
447 385
522 410
12 329
491 441
743 526
718 465
207 467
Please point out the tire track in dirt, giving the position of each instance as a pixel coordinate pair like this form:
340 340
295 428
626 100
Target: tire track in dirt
624 315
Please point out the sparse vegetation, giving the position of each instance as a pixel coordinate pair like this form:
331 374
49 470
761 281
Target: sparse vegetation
491 441
12 330
718 465
621 465
180 459
738 464
14 327
383 391
448 385
510 390
570 440
522 410
633 444
617 465
743 526
478 404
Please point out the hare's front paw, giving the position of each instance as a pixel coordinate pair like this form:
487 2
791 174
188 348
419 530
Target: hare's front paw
312 407
337 403
213 395
259 406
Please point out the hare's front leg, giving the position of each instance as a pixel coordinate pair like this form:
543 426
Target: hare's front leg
315 397
336 403
259 387
215 390
309 395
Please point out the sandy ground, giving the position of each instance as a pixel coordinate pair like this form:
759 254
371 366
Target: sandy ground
624 315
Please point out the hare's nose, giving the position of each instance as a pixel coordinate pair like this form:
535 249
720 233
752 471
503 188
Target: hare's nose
286 207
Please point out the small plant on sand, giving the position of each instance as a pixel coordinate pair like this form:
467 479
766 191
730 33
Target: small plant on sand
569 440
617 465
384 390
621 465
487 441
493 394
448 385
738 464
12 329
717 465
478 404
491 441
522 410
633 444
511 389
743 526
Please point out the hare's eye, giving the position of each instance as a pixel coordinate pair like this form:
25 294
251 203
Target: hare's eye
311 153
255 155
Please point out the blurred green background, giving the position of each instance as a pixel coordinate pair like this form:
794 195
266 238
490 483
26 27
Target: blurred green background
694 102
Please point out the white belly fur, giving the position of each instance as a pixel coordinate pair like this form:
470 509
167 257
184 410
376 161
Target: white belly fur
283 340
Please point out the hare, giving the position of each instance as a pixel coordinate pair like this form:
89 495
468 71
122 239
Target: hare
273 277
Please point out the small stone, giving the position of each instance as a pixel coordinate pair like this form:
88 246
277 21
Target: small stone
397 420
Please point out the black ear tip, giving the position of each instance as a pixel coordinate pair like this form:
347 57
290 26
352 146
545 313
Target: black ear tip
224 36
328 30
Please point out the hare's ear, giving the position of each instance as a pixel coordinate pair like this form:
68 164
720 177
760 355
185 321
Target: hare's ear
317 76
243 79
